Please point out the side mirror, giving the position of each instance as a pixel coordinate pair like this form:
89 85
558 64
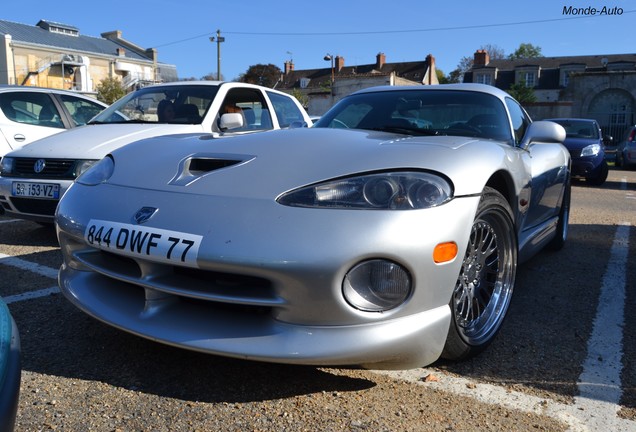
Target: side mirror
543 132
231 121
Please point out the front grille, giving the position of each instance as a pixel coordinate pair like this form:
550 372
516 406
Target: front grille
53 168
44 207
194 284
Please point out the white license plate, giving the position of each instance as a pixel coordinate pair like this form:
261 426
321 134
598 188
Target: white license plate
36 190
153 244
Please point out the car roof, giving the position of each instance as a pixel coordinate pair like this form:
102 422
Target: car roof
482 88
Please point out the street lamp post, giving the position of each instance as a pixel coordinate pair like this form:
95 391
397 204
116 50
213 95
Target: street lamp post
218 39
330 58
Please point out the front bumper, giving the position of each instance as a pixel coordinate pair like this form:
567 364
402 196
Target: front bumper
588 167
30 208
269 282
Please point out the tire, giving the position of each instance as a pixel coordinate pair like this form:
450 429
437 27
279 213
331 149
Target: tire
486 280
561 236
601 177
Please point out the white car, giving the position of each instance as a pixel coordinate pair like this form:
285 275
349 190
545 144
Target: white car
34 178
30 113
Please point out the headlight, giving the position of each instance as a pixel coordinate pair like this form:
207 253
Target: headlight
98 172
6 165
591 150
391 190
82 166
377 285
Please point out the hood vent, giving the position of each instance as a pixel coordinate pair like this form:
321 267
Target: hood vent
197 166
200 166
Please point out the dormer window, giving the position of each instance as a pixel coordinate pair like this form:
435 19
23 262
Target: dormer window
566 70
304 82
484 78
528 76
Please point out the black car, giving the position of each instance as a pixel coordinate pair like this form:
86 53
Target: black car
586 144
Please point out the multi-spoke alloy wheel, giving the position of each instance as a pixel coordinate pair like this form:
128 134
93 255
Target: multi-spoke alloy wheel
486 280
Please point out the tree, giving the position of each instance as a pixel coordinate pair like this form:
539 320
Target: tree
522 93
466 63
266 75
526 50
301 97
109 90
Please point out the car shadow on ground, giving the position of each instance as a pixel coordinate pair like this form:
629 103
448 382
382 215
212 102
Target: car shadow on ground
58 339
26 233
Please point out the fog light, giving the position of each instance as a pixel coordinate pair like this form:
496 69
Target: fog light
377 285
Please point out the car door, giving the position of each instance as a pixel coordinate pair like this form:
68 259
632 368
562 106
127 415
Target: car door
26 117
547 164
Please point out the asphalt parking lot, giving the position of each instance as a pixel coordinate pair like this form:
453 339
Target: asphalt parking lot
564 360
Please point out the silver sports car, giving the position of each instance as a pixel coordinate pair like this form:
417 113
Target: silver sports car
386 236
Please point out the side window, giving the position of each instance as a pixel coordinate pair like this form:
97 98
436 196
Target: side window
251 105
520 119
81 110
286 110
31 108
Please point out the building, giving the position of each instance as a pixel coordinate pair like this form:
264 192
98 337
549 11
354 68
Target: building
602 87
57 55
322 88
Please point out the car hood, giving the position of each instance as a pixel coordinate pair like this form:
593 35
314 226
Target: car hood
267 164
579 143
96 141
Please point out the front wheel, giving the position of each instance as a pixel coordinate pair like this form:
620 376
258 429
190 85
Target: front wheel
601 176
486 280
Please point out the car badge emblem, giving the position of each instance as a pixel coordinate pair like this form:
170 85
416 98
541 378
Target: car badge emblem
144 214
39 165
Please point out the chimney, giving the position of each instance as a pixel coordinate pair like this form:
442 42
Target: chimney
431 73
121 52
481 58
380 60
289 67
339 63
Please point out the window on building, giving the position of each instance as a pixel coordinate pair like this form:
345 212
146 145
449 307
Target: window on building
529 78
484 78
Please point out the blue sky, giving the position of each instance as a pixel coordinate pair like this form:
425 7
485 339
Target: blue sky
274 32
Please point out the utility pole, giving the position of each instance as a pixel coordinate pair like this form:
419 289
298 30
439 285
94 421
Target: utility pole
218 40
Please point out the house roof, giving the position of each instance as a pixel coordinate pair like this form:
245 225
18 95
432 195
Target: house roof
414 71
590 61
38 35
550 68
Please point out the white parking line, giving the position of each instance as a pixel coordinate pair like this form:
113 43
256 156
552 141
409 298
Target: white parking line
27 265
596 407
600 382
32 267
31 295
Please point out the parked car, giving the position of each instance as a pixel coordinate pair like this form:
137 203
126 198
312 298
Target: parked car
366 239
33 179
10 369
586 144
626 150
30 113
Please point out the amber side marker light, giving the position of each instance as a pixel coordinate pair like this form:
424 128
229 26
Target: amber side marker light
445 252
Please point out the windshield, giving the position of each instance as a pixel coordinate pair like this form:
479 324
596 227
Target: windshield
178 104
578 128
422 112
